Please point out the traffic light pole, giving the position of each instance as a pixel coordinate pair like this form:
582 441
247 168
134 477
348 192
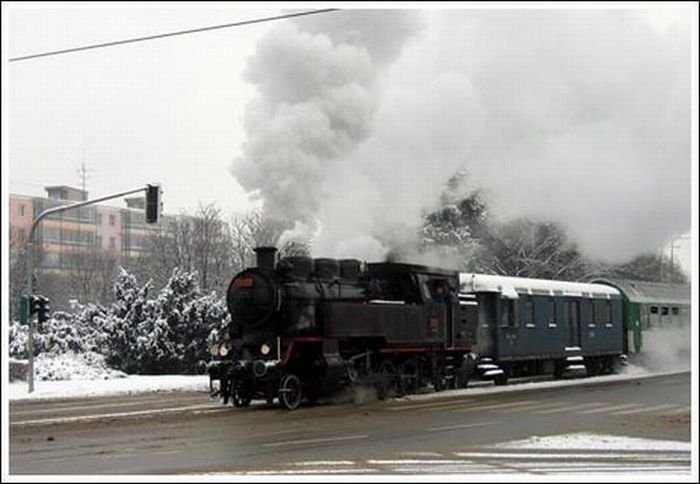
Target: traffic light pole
30 241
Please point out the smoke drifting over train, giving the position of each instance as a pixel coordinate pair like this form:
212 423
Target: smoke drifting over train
576 116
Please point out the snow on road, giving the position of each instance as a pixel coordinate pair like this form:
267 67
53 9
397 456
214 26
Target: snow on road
119 386
564 455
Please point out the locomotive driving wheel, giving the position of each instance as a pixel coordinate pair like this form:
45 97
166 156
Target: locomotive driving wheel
410 376
290 391
241 395
387 385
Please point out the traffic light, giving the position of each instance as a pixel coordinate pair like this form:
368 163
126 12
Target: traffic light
153 203
40 305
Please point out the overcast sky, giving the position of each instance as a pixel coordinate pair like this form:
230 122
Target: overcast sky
582 116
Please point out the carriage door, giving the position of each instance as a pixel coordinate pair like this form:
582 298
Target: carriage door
574 318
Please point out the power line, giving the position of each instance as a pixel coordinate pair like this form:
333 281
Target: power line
172 34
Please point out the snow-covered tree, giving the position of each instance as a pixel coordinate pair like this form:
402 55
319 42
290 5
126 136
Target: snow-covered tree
120 325
523 248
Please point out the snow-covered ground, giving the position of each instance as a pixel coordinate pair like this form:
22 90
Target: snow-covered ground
587 441
101 387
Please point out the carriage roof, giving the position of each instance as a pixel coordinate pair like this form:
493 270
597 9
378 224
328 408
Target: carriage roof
514 286
650 292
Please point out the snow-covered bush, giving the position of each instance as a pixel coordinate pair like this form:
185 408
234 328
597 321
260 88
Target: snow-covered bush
168 334
173 336
74 366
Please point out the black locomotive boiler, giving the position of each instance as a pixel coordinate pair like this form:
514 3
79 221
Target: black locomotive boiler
304 327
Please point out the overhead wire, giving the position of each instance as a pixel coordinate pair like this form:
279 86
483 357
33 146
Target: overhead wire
172 34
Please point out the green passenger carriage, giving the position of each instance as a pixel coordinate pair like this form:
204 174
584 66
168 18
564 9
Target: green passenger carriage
650 306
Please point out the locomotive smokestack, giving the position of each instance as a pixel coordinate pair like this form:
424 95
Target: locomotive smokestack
265 257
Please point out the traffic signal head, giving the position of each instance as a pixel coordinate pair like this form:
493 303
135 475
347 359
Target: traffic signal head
40 305
154 203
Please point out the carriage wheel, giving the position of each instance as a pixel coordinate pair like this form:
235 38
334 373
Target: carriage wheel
290 391
387 386
241 395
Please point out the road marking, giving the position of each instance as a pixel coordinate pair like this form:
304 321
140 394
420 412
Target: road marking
88 418
213 410
425 405
62 408
302 471
483 404
680 410
598 457
314 441
529 406
496 406
622 468
609 408
569 408
325 463
465 426
644 409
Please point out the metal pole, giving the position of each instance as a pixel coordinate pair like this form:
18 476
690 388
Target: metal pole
30 318
30 240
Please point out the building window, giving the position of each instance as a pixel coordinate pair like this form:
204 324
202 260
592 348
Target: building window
112 243
99 219
21 210
98 241
112 220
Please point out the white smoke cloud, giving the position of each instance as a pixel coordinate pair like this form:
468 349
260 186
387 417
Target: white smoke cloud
317 84
577 116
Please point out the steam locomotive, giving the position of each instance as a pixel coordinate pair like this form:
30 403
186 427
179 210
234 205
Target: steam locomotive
302 327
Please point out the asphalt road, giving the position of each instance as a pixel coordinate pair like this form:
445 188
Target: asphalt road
173 433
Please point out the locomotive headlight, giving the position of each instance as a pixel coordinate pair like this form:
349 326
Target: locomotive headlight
264 349
223 349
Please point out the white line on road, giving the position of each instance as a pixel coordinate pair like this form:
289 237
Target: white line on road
64 408
680 410
465 426
87 418
644 409
427 405
495 406
314 441
667 457
325 463
609 408
570 408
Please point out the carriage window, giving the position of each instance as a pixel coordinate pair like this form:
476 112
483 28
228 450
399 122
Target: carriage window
508 313
529 315
664 311
552 314
674 311
654 310
592 320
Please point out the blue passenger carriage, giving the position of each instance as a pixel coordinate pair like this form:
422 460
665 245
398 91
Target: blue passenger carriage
544 326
